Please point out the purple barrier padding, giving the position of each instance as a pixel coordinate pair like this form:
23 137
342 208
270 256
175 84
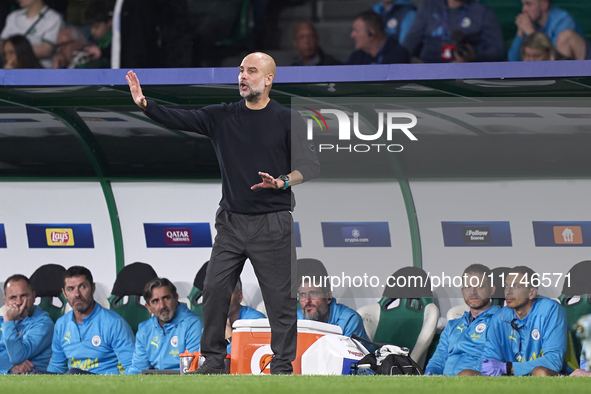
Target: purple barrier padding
229 75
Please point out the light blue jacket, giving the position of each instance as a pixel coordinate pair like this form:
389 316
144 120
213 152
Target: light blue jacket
542 334
159 347
344 317
461 344
246 312
398 18
27 339
102 344
558 21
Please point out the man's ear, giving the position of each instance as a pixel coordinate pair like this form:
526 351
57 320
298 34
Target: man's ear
533 293
328 298
93 288
269 79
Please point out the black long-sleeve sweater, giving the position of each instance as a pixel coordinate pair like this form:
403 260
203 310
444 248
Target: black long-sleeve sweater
248 141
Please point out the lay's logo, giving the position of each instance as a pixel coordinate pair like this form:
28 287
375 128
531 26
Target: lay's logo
59 236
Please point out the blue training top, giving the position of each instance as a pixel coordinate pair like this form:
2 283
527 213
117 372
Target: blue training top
246 312
102 344
461 344
540 339
27 339
159 347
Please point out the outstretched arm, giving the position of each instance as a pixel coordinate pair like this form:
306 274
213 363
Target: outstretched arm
269 182
136 90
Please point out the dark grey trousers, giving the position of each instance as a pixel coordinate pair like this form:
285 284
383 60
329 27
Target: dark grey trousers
267 240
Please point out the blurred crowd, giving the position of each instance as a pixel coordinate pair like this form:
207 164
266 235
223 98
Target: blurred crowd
160 33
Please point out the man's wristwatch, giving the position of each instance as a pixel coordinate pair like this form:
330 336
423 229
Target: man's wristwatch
285 179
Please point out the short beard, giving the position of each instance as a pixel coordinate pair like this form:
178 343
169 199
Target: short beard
253 97
319 315
164 320
255 93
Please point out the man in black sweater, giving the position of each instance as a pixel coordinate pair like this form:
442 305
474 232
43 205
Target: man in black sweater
254 219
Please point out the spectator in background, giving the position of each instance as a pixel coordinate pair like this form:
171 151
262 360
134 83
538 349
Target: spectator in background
25 330
89 339
39 24
559 25
305 40
371 44
99 14
69 53
19 54
397 15
171 330
537 47
455 31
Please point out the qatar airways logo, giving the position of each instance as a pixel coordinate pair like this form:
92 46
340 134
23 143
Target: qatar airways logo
178 236
393 121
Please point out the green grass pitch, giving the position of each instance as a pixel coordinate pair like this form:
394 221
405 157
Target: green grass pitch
170 384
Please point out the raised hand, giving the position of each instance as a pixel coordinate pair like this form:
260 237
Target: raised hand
136 90
268 182
14 312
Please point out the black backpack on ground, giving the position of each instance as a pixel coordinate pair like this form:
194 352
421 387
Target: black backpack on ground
392 364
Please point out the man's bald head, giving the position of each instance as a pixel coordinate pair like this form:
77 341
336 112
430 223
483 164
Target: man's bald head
305 40
264 61
257 72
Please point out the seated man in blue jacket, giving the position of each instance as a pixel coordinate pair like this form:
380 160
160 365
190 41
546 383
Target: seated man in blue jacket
25 330
559 26
318 304
89 339
528 336
238 312
460 347
171 330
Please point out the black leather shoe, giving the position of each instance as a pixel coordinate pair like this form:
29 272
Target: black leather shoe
207 370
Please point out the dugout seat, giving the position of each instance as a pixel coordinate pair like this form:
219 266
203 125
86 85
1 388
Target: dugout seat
499 278
576 298
457 311
194 300
404 316
125 298
47 283
305 267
